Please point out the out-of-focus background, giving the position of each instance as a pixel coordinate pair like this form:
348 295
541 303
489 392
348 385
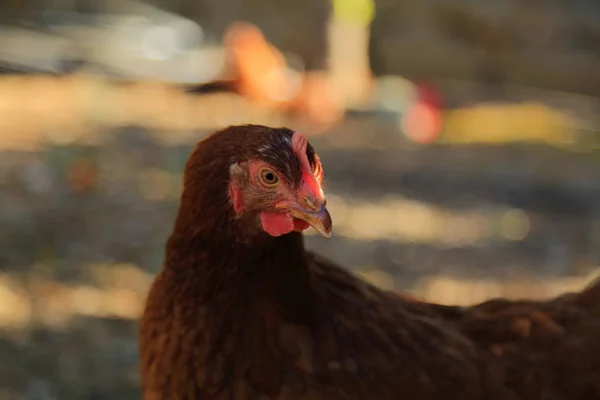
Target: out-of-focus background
461 145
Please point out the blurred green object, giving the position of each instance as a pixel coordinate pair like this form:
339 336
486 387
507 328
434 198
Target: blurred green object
354 11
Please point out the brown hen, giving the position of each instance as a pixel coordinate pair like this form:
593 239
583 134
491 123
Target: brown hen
242 311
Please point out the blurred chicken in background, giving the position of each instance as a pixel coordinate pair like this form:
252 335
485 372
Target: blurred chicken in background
260 72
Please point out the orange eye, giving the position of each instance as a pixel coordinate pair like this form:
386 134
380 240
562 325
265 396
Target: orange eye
268 177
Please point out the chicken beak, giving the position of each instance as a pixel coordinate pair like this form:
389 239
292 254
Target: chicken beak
316 216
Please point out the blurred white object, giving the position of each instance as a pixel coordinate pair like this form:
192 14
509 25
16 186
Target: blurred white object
140 41
28 50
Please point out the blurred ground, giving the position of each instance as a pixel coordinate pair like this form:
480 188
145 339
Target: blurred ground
88 201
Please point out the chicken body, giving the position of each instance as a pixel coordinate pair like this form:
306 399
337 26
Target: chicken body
238 314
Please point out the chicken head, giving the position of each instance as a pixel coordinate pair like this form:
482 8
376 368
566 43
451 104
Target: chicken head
281 200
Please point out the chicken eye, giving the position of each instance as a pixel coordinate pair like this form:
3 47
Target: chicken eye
268 177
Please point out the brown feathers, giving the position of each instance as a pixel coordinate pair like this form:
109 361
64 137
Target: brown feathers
238 314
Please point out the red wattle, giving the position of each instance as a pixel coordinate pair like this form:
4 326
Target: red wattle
276 224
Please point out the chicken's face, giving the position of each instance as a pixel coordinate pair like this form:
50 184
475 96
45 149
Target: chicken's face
279 189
